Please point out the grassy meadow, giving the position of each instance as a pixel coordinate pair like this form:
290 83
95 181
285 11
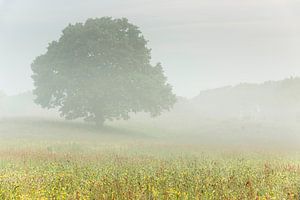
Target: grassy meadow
51 159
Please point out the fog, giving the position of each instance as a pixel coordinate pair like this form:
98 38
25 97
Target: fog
245 117
140 99
201 44
230 62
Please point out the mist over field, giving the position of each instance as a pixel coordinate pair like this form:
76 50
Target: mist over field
263 116
149 99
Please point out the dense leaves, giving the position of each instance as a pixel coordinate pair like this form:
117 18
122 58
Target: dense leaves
101 70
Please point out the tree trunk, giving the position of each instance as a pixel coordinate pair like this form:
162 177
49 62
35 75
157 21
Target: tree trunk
99 120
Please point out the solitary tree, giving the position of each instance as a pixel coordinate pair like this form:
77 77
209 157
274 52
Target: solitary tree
100 70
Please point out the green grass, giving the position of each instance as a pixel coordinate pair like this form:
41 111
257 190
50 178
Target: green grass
59 160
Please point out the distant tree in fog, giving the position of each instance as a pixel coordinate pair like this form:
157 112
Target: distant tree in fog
100 70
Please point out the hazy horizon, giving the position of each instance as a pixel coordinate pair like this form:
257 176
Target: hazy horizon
102 121
202 45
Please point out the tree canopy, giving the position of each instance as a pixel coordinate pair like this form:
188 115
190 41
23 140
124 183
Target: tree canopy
101 70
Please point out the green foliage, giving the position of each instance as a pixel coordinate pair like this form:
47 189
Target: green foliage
101 70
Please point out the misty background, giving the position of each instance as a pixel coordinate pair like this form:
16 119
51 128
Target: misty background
233 64
201 44
233 133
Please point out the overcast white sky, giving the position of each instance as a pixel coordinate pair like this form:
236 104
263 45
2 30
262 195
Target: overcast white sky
201 43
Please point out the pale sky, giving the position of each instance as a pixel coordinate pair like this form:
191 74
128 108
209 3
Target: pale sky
202 44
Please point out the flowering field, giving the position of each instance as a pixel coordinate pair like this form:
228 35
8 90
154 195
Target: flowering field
64 163
133 175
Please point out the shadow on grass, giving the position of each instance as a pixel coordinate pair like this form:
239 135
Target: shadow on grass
40 125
